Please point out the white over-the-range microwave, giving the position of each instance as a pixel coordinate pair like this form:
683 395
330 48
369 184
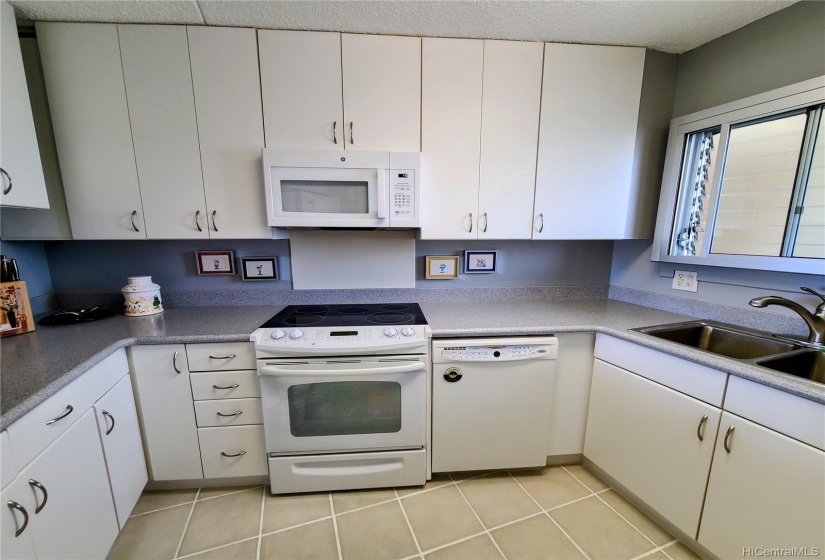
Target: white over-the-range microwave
337 189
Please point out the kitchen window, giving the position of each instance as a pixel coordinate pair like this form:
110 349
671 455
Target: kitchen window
744 184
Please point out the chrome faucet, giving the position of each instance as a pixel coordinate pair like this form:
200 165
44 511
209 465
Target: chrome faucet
815 320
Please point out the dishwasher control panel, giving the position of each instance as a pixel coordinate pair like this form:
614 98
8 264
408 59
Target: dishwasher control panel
491 351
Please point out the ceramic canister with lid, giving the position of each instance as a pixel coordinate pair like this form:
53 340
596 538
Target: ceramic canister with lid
141 297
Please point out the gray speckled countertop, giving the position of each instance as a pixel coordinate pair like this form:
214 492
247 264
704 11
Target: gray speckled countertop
36 365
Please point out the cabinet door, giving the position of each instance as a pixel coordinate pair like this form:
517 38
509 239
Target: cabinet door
451 132
24 184
87 100
77 519
652 440
119 431
766 492
382 92
166 411
589 115
162 114
17 510
509 136
301 89
230 130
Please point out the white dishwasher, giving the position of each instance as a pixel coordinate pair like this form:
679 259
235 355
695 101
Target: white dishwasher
491 402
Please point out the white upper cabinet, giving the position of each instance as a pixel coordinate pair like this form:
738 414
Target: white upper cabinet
230 129
509 135
480 118
301 86
382 92
87 99
589 116
164 128
22 183
452 71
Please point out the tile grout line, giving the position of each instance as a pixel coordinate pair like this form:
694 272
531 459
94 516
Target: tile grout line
188 519
261 524
655 550
602 500
191 554
335 526
480 521
582 483
227 494
668 545
299 525
409 525
161 509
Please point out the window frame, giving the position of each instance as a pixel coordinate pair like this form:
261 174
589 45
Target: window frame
796 96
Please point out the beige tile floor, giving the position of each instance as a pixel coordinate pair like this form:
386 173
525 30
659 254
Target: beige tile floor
555 513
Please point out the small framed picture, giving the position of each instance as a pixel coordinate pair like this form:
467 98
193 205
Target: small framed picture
259 268
479 261
441 268
215 262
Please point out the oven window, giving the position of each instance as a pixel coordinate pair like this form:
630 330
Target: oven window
325 197
344 407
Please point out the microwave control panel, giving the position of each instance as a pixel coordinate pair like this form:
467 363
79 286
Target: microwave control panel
402 193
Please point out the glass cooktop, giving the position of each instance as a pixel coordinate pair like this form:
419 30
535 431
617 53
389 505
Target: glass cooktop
347 315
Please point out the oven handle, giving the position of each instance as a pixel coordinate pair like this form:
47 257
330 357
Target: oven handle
285 372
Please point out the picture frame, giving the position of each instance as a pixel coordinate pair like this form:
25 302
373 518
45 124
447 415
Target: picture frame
480 262
256 269
215 262
441 267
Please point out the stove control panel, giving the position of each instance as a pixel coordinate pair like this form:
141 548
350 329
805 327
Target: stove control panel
494 353
335 339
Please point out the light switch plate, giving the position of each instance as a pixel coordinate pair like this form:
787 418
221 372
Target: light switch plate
686 281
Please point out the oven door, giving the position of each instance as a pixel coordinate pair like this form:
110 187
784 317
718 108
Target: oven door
332 405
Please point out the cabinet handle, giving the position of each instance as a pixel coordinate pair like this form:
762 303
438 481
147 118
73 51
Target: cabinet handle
197 220
235 386
14 505
334 136
485 223
699 431
175 362
227 357
229 415
134 227
471 222
727 438
225 454
7 190
214 223
112 418
69 409
541 224
351 139
34 484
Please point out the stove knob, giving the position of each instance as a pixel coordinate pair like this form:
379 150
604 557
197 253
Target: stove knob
408 331
390 332
277 334
296 334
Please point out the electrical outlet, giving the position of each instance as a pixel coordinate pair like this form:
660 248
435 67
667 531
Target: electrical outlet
687 281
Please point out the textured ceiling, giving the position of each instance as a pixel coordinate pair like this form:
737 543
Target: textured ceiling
673 26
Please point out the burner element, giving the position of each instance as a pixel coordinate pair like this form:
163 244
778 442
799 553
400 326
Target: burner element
389 318
303 320
312 309
394 307
352 311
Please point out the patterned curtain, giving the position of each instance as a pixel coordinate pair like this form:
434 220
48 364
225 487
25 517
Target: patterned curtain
702 144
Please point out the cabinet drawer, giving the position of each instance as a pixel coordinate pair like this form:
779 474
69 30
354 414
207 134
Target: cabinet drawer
228 412
246 442
221 356
207 385
31 434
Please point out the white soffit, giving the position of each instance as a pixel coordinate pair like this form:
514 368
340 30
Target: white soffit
673 26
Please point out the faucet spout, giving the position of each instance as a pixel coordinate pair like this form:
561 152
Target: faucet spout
815 321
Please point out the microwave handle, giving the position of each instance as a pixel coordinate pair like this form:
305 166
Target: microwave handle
381 184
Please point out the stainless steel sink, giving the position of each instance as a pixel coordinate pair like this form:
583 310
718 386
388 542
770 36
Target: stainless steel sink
809 364
721 339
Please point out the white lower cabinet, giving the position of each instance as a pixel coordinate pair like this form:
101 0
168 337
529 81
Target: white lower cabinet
233 451
765 491
655 441
120 433
15 522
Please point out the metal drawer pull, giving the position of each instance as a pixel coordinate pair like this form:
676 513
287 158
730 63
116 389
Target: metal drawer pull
175 362
235 386
227 357
541 225
334 137
233 414
351 139
34 484
699 431
14 505
225 454
471 222
134 227
485 223
197 220
7 190
69 409
214 223
727 438
112 418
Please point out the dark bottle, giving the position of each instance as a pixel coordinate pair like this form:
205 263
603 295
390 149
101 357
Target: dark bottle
8 270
